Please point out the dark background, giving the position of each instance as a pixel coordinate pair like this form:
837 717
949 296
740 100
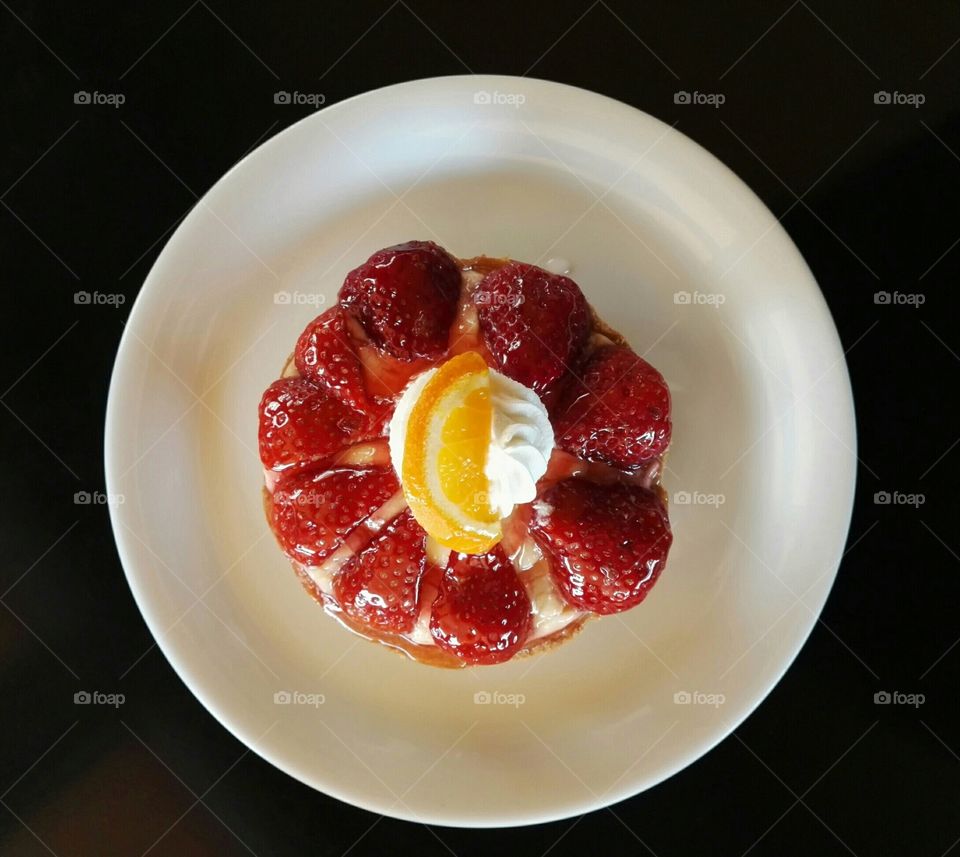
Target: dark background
870 193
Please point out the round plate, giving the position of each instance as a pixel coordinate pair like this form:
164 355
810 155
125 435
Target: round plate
672 250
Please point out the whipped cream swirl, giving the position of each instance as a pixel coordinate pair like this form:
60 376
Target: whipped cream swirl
521 439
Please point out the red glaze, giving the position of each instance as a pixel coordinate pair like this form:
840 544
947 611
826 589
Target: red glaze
315 511
535 324
380 586
482 614
406 298
386 376
302 424
619 414
607 543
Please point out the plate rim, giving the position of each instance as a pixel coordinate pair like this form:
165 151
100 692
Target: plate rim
182 666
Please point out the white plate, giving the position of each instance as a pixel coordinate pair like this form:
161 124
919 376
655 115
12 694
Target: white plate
763 416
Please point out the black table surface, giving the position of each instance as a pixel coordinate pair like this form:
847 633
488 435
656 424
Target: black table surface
867 185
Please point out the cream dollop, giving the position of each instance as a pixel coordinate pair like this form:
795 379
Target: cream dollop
521 439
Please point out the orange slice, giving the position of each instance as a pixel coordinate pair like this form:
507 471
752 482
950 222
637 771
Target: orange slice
445 456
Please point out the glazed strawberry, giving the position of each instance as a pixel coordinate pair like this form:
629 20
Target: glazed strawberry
607 543
406 298
380 586
314 511
619 414
535 324
325 354
300 423
482 614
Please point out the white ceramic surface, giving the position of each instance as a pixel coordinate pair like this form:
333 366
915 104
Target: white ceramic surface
763 416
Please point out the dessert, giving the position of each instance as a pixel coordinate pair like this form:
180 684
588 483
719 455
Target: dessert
462 461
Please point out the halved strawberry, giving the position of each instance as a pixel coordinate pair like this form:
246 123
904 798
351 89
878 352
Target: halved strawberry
314 511
325 354
406 298
301 424
380 586
535 324
482 614
607 543
619 414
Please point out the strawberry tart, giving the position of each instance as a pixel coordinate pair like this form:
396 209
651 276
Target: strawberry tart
463 462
